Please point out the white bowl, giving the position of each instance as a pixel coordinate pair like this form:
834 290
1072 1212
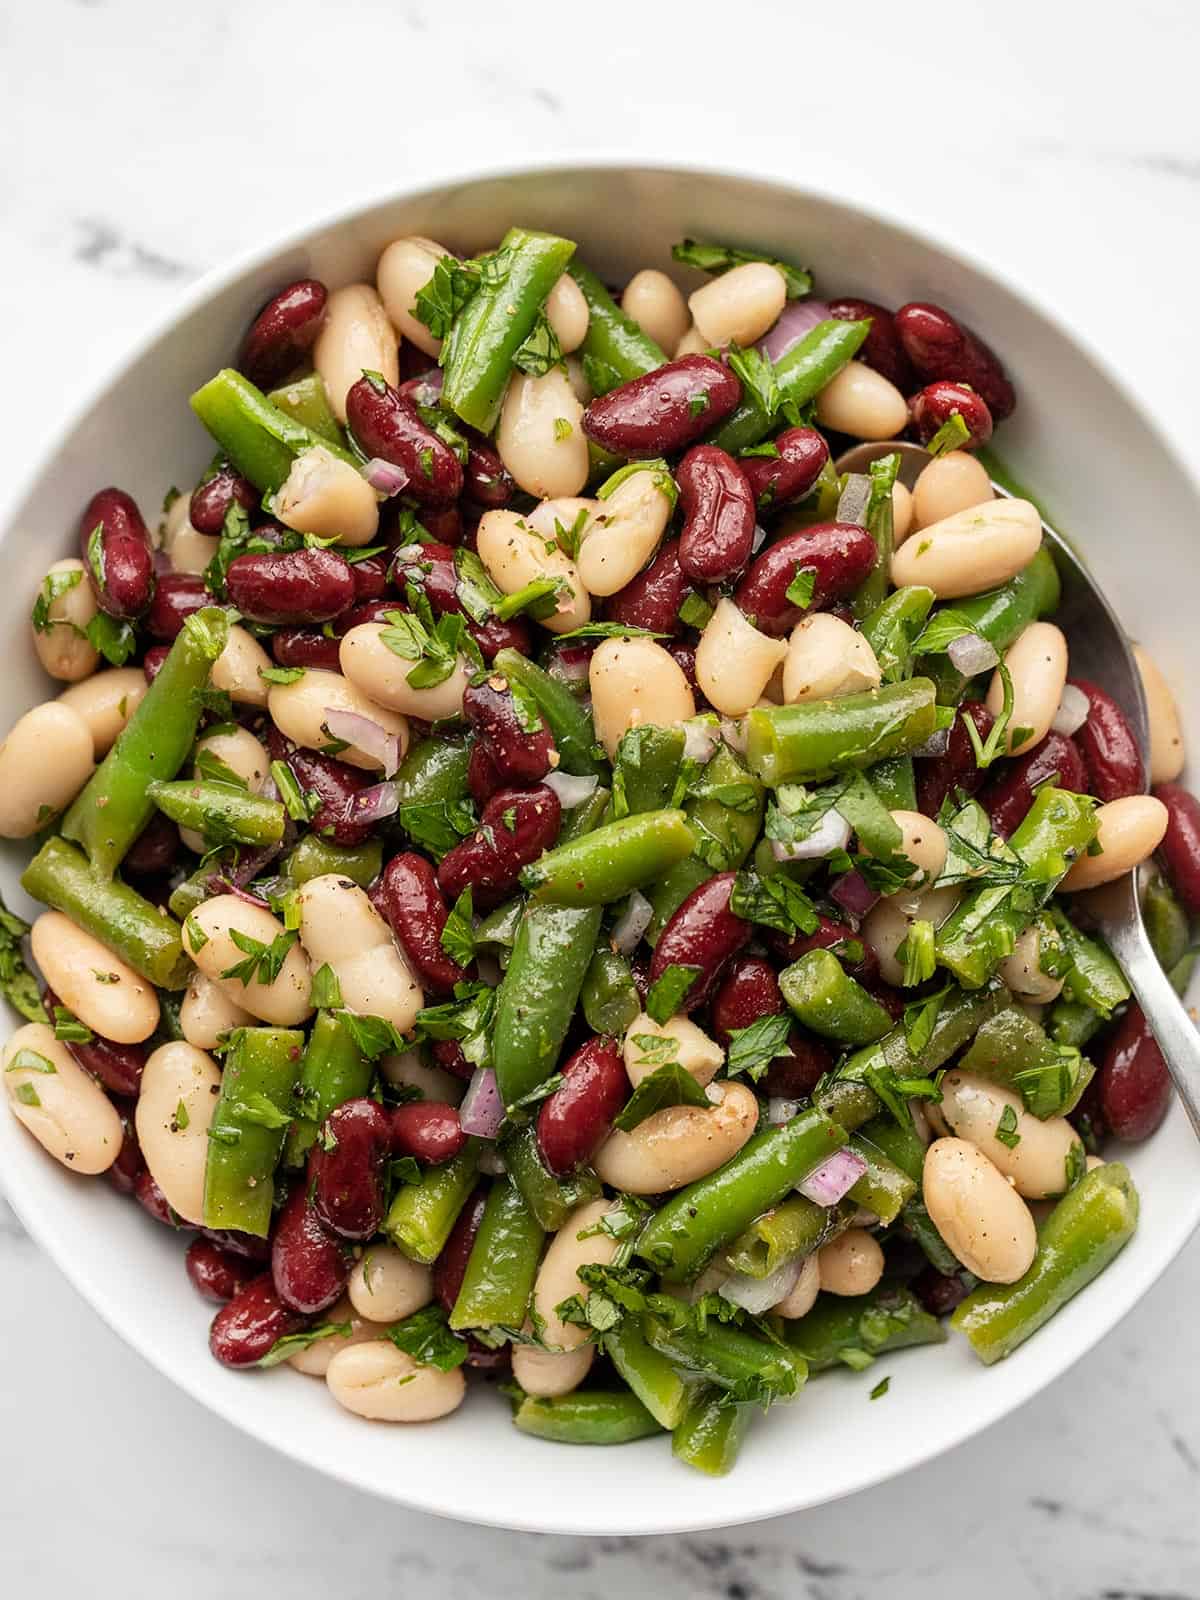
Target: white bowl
1105 473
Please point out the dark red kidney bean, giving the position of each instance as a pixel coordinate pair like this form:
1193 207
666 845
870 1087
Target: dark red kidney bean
941 347
176 596
1008 797
1180 850
445 524
576 1118
718 512
247 1245
685 658
154 849
332 781
703 933
411 903
664 411
839 554
388 425
153 659
215 1273
939 776
1135 1086
291 586
305 647
881 348
117 1066
486 480
309 1264
127 1169
795 1075
937 402
154 1202
244 1329
775 481
639 968
451 1265
283 332
748 992
939 1292
1110 751
495 635
424 389
483 776
652 599
518 756
213 496
890 999
345 1168
428 1130
115 545
828 933
448 1054
366 611
490 861
432 570
370 578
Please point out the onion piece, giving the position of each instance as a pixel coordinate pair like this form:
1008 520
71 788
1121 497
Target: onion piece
1073 711
796 319
760 538
834 1178
225 886
632 924
491 1162
373 804
757 1295
854 894
385 477
734 733
830 834
701 736
407 555
482 1109
854 500
571 790
367 735
780 1110
971 654
574 662
937 744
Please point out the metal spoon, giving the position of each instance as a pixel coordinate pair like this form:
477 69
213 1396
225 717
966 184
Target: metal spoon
1100 651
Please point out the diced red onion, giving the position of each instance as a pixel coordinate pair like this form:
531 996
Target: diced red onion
971 654
796 319
854 499
830 834
700 739
937 744
1073 711
162 562
250 863
430 390
571 790
574 661
760 538
780 1110
854 894
225 886
734 733
406 554
367 735
634 920
374 804
757 1295
482 1109
384 476
834 1178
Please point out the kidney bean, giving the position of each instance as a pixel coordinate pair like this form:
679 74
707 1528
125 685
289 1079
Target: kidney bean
154 1202
1180 850
153 659
940 347
283 332
366 611
1135 1086
1110 751
576 1118
490 861
176 596
486 480
291 586
451 1265
236 1243
829 932
1008 797
890 999
305 647
428 1130
423 388
345 1168
684 655
795 1075
448 1053
445 524
718 511
213 496
154 849
129 1166
652 599
776 481
938 1292
370 578
937 402
411 903
333 781
703 933
495 635
116 552
483 776
387 425
309 1264
117 1066
881 348
748 992
518 756
244 1330
664 411
939 776
840 554
214 1273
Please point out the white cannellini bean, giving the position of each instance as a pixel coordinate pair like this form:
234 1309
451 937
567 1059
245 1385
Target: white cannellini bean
548 516
1037 664
382 675
1022 972
325 495
825 658
184 547
406 1070
979 1215
207 938
972 550
405 267
176 1147
314 1359
889 923
45 761
540 437
1129 831
734 661
863 403
691 1047
106 701
1167 753
558 1275
207 1011
802 1296
239 667
567 313
340 926
739 306
676 1146
951 483
105 993
693 343
657 305
577 378
851 1264
515 555
385 1286
634 681
61 646
299 710
356 337
549 1373
63 1106
1036 1162
923 841
902 513
625 532
381 1383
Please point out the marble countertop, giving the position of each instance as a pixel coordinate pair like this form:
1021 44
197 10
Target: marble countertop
146 144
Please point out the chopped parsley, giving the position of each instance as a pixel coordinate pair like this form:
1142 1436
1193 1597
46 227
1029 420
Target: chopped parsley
54 585
263 962
17 983
1006 1129
719 258
426 1337
668 991
326 992
752 1049
458 937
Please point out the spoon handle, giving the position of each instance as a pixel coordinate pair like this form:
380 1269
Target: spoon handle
1177 1035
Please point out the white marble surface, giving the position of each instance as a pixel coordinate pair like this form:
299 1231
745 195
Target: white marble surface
145 143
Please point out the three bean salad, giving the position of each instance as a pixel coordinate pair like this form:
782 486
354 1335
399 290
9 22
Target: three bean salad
550 880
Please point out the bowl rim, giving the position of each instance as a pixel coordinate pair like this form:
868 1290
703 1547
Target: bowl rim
1153 1262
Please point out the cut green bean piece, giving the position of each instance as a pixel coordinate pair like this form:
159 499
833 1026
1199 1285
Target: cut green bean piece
614 350
889 1318
422 1214
589 1416
709 1436
1095 979
245 1139
872 592
884 1188
739 1362
306 401
820 738
901 1143
646 768
1166 921
433 770
551 1200
333 1071
586 816
829 1002
1012 1050
222 812
895 782
539 993
261 440
606 864
609 996
800 375
792 1229
891 628
315 857
648 1373
999 616
725 834
502 1265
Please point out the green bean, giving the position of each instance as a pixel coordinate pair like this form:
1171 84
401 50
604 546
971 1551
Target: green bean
568 721
315 857
586 816
1086 1229
1095 979
550 1199
614 350
889 1318
307 402
502 1265
1072 1024
999 616
899 1142
222 812
919 1224
646 768
333 1070
1012 1050
261 440
114 807
792 1229
847 1102
820 738
709 1436
647 1372
725 834
539 993
802 373
245 1139
477 357
608 863
609 996
422 1214
730 1357
589 1416
828 1001
143 935
1166 921
884 1187
893 625
433 770
895 782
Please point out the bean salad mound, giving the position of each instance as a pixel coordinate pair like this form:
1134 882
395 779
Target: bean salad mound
552 880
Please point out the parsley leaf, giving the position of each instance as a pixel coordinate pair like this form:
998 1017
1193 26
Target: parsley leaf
467 1018
54 585
17 983
458 937
450 286
917 954
292 1343
695 610
326 992
756 373
373 1036
1006 1129
800 590
539 352
300 806
263 961
719 258
69 1029
752 1049
663 482
438 825
426 1337
952 435
116 641
668 1085
773 902
281 675
539 598
668 991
